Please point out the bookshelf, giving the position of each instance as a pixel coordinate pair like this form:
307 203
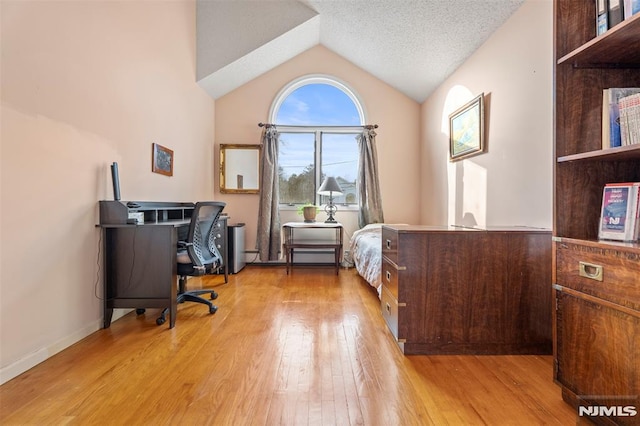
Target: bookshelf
582 167
597 284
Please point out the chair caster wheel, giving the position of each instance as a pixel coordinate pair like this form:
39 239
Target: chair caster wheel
213 309
140 311
160 321
214 295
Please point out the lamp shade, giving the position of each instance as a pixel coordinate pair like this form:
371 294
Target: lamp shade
330 186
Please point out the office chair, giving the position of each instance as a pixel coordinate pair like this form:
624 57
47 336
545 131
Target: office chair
198 255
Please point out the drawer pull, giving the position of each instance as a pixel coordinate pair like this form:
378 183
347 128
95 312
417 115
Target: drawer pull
591 271
388 276
388 243
388 307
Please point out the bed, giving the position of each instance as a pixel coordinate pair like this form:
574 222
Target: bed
365 252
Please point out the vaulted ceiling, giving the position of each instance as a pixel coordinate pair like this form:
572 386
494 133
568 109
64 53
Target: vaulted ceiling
412 45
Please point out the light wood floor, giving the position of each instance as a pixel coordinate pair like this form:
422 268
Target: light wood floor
307 348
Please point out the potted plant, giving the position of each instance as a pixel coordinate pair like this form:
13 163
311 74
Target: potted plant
309 212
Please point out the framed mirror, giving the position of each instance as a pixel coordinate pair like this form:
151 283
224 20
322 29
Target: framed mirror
239 169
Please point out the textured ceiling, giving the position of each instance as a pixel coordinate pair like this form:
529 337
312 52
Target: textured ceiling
413 45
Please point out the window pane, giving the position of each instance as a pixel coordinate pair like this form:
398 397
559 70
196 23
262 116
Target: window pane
340 160
318 104
296 168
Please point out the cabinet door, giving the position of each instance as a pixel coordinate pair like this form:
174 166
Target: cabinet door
598 352
221 240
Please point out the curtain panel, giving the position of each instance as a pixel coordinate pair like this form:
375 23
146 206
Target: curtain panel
370 200
268 241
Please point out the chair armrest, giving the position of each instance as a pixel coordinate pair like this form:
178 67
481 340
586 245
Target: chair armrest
184 244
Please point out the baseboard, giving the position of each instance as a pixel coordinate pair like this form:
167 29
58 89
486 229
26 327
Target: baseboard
31 360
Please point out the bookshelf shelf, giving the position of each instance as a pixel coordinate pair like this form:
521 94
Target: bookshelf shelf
619 48
630 152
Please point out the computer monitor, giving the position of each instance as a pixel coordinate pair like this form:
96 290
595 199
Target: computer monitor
116 181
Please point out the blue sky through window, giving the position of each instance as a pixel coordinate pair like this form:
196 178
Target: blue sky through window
319 105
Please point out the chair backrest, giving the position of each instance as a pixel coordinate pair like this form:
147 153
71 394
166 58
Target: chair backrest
202 231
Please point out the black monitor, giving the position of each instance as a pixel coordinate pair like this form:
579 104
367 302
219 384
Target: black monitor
116 181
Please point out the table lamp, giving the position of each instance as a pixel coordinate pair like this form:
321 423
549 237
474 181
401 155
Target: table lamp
330 187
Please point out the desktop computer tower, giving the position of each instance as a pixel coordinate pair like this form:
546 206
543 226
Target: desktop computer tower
236 248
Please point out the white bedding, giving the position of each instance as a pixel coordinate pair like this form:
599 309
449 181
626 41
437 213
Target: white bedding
366 251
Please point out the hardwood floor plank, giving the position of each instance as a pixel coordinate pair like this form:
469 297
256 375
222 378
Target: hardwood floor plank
306 348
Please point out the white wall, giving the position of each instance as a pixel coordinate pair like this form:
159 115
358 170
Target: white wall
85 84
511 183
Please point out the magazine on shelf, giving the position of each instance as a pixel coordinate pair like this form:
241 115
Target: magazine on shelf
619 220
611 135
629 108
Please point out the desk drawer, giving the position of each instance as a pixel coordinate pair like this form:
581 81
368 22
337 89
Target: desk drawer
390 277
389 307
605 271
390 244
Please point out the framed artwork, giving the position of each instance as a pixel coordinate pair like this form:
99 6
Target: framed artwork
466 129
162 160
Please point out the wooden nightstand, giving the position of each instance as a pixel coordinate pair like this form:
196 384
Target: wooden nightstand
291 243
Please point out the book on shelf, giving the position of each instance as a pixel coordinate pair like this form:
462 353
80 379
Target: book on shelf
615 13
602 23
620 213
611 134
631 7
629 109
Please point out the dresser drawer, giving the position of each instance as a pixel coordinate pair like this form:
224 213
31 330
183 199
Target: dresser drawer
390 277
389 307
390 244
608 272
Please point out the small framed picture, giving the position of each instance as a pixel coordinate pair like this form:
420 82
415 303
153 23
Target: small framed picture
162 160
466 129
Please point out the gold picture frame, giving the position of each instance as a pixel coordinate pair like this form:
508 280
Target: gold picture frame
466 130
161 160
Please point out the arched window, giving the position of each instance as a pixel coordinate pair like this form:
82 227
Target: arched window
318 118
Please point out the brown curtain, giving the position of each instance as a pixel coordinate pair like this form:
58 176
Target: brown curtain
370 201
268 241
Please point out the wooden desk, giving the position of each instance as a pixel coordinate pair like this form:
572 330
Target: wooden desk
290 242
140 268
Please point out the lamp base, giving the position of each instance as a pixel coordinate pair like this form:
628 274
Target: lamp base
330 209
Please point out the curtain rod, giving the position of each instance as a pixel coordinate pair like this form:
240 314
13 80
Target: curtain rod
268 125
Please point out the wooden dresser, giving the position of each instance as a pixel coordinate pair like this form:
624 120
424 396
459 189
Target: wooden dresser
454 290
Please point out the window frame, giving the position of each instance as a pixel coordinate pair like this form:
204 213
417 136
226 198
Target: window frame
315 79
317 130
